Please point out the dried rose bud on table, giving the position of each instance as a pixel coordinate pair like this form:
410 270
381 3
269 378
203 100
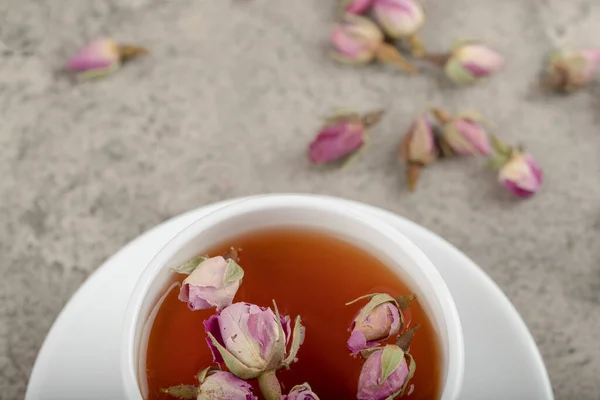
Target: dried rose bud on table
569 71
418 149
358 41
342 136
463 134
102 57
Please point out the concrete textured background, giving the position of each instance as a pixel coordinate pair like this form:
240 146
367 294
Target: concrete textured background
225 106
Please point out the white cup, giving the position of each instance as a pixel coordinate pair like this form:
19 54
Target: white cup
326 214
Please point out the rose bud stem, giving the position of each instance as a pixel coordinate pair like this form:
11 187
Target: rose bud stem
404 340
442 116
127 52
417 48
232 254
372 118
269 385
387 53
184 392
438 59
413 173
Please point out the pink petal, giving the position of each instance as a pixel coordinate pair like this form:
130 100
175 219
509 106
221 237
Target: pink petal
480 60
358 6
100 54
474 135
344 43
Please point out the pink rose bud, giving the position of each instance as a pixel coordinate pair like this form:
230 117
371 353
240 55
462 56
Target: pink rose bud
301 392
418 149
214 385
252 340
399 18
358 40
385 374
569 71
102 57
211 282
463 133
342 136
471 62
378 320
356 6
521 175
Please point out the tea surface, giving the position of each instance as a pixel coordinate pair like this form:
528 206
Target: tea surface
308 273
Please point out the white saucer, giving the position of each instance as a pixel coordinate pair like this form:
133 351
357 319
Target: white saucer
79 358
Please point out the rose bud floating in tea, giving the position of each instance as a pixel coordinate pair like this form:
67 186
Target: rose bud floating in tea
211 282
380 319
385 374
252 342
301 392
214 384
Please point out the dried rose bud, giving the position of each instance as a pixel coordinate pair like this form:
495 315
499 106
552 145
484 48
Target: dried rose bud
301 392
385 374
356 6
521 175
400 19
252 341
357 40
569 71
418 149
378 320
463 133
518 171
214 385
211 282
102 57
470 62
342 136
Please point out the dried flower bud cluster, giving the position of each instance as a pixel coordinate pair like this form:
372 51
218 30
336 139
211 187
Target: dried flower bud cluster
251 341
388 369
462 134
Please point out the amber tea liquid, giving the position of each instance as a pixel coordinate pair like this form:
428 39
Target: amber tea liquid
308 273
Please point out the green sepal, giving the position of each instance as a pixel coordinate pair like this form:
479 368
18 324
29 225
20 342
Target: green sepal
234 365
233 272
457 73
184 392
189 266
297 340
390 360
403 341
279 346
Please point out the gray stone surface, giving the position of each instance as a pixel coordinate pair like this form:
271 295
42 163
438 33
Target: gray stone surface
225 107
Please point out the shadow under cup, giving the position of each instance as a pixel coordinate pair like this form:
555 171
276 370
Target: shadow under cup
286 211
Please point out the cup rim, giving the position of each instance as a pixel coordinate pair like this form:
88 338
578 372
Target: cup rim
454 376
